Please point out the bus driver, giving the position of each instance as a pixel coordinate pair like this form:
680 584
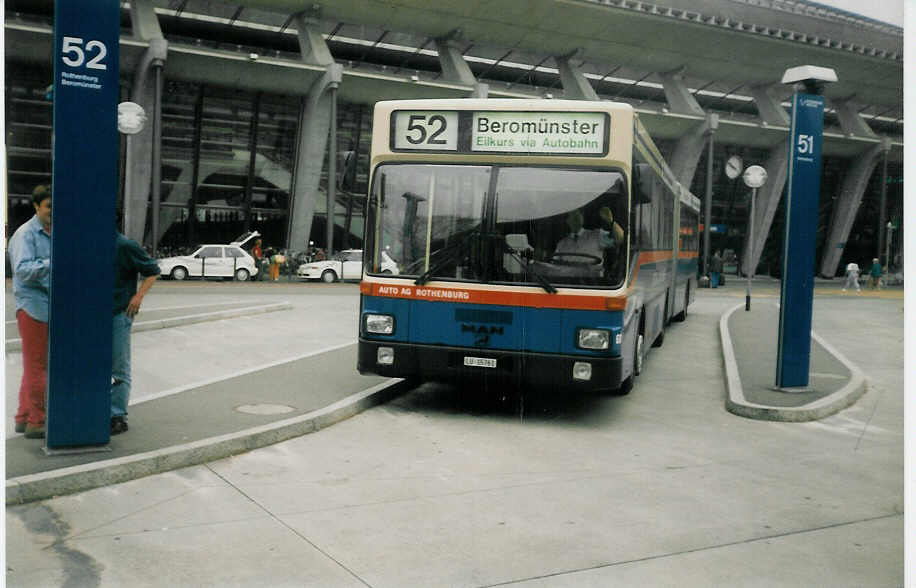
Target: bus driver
591 242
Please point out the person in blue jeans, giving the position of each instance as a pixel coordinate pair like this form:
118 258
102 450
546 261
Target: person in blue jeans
715 269
131 261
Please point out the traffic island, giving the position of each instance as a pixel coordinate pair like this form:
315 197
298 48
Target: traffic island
749 348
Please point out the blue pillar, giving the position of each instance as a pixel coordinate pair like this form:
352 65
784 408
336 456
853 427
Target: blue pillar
85 187
797 293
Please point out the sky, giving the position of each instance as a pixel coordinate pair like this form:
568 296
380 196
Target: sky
890 11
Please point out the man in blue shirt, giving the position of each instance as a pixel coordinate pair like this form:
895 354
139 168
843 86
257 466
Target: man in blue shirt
130 261
30 259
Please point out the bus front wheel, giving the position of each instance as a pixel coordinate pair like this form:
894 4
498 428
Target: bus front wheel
627 385
637 355
660 338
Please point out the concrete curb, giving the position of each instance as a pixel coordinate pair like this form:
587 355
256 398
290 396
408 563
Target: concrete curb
190 319
737 404
114 471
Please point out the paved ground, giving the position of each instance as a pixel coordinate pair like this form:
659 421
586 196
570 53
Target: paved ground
439 488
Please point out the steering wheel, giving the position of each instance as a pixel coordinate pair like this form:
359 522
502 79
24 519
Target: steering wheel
589 257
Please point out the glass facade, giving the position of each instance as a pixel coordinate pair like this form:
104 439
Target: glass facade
28 139
228 160
227 164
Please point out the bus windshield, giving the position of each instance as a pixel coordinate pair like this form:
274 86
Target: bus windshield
537 226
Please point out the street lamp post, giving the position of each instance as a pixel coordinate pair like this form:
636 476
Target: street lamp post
754 177
887 247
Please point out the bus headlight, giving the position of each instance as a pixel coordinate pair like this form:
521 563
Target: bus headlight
594 339
385 356
380 324
582 371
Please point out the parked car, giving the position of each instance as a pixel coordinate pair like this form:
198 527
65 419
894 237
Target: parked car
345 265
213 261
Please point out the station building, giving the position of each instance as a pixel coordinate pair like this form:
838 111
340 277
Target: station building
261 110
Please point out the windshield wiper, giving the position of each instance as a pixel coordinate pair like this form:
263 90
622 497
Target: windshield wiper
538 276
425 276
450 253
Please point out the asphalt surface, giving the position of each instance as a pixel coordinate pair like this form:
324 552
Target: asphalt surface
385 499
248 408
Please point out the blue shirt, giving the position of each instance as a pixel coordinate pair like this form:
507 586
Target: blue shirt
30 258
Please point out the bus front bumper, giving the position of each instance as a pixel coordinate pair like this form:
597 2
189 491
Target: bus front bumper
448 364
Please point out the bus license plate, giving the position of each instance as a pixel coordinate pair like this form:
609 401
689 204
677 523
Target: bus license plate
480 362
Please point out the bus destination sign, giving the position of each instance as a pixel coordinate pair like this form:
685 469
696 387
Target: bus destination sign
559 133
510 132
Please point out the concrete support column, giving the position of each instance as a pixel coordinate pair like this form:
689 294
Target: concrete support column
312 140
772 113
689 149
142 149
312 143
679 98
575 86
847 206
768 106
312 46
454 67
851 121
777 166
480 90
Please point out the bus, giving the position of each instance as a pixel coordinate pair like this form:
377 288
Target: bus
539 243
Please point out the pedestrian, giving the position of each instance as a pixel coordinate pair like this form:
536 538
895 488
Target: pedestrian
276 260
30 260
131 261
852 276
875 274
715 268
258 254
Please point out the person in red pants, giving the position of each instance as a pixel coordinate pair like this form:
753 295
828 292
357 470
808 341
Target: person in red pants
30 259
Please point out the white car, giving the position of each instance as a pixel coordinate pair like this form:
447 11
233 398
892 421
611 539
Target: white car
212 261
345 265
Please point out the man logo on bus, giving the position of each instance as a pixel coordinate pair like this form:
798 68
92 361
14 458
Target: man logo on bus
482 332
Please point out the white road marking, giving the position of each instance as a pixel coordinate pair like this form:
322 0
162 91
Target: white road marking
229 376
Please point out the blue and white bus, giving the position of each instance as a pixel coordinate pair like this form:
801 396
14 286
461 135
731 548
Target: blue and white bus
541 243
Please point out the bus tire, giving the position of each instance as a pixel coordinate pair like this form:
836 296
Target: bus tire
660 338
682 316
625 387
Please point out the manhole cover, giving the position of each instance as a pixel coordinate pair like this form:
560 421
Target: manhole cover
264 408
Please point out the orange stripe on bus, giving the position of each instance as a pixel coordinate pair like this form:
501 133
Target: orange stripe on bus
528 299
654 256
